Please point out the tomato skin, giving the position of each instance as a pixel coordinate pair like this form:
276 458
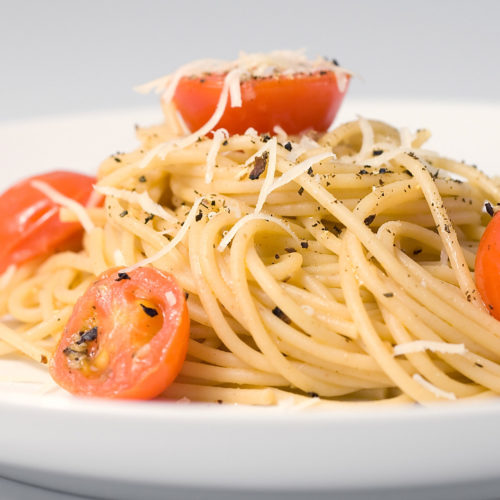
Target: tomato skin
135 370
30 226
487 269
296 103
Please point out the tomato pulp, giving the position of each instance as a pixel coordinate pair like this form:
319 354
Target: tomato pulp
126 338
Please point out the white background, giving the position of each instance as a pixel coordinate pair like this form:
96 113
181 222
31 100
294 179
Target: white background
62 56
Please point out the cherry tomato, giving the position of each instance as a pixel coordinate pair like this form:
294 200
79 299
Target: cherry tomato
30 226
487 271
127 337
295 103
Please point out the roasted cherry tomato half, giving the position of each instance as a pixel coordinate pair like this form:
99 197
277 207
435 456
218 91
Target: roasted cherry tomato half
487 271
127 337
296 103
30 226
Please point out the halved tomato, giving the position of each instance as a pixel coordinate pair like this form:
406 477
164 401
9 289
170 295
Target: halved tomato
487 269
296 103
127 336
30 226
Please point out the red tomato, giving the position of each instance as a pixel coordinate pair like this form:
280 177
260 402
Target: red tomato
295 103
127 336
487 271
30 226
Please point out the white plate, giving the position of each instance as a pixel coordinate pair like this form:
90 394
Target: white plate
117 449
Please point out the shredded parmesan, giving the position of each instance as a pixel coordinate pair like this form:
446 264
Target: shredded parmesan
268 181
142 199
220 135
428 345
171 300
298 170
229 235
162 150
64 201
432 388
174 241
285 62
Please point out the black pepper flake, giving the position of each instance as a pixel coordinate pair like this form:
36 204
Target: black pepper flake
142 178
225 143
290 250
212 203
277 256
304 244
489 209
300 191
479 365
447 228
377 152
384 170
199 215
150 311
124 213
310 171
260 166
148 218
118 160
219 401
335 62
288 146
266 137
87 336
369 219
388 295
313 394
186 295
281 315
417 251
363 172
413 155
122 276
407 172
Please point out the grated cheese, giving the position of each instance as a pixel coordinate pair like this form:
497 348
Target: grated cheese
220 135
428 345
229 235
142 199
432 388
171 300
285 62
268 181
174 241
162 150
298 170
72 205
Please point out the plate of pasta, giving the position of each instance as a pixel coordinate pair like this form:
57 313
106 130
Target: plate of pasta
293 296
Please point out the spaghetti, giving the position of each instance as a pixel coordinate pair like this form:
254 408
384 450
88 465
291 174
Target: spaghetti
320 269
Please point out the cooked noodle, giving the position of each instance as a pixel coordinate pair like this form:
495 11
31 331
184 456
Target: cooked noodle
368 245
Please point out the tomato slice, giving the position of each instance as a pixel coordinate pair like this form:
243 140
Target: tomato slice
127 337
487 269
30 226
296 103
